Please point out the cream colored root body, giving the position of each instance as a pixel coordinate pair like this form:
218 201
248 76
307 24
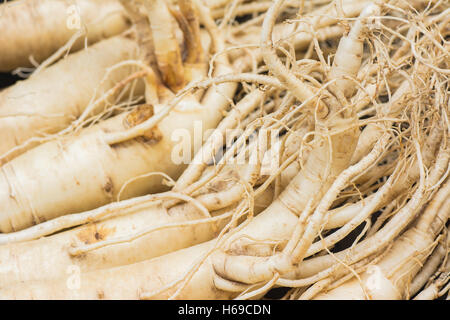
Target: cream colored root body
49 180
51 100
52 256
114 242
38 28
129 282
126 282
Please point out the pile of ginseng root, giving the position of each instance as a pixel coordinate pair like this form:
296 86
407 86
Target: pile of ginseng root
227 149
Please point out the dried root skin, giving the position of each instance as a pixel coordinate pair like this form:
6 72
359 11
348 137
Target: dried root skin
22 39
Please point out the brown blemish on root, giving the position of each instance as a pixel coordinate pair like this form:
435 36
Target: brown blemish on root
94 234
152 136
33 220
100 294
138 116
108 187
218 186
227 180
